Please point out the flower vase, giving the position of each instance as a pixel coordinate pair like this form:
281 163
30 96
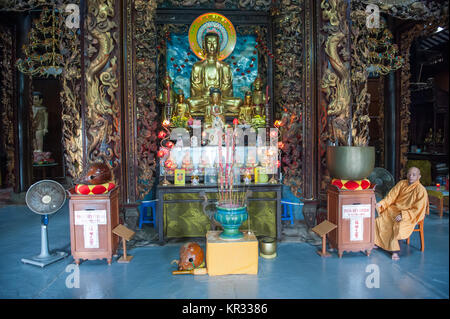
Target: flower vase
231 218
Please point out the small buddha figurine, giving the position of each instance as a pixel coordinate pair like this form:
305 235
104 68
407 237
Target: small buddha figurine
215 110
204 161
247 178
211 73
181 107
246 111
167 91
187 163
258 97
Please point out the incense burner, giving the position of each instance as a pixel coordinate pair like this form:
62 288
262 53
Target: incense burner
231 218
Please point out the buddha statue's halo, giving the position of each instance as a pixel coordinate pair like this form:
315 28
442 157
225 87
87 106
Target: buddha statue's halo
215 28
212 23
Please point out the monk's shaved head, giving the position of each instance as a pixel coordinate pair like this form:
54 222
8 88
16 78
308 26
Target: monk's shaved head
413 175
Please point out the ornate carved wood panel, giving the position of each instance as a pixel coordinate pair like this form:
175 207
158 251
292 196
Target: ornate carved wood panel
7 103
141 113
289 90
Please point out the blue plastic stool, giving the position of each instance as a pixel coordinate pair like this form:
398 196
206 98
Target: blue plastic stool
287 205
150 218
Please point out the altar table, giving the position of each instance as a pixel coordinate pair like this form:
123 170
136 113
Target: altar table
180 213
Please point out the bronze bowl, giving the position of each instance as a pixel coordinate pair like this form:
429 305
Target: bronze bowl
350 162
268 247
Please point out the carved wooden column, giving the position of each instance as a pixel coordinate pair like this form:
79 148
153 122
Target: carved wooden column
310 190
23 138
71 97
102 72
333 78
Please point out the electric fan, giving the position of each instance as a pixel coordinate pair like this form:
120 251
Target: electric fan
383 179
45 197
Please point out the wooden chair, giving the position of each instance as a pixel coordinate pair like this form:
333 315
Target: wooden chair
420 230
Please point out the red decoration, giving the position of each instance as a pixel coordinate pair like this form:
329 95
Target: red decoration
169 144
84 189
161 153
350 184
162 134
235 121
168 164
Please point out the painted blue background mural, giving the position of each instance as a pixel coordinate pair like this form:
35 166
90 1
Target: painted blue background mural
243 61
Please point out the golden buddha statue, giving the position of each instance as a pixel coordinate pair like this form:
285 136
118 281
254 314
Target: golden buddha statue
215 109
258 97
212 73
166 91
181 107
246 112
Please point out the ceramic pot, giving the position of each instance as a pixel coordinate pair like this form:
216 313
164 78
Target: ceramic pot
350 162
231 218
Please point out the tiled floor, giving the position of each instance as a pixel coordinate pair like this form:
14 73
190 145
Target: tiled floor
297 272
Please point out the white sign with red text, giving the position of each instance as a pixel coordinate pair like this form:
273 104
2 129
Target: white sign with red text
356 214
90 219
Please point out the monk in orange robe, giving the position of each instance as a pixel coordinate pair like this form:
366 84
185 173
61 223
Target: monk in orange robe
399 212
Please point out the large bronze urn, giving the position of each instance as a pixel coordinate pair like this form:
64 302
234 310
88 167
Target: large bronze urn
350 162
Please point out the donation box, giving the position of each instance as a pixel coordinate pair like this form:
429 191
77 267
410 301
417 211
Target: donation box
92 219
353 211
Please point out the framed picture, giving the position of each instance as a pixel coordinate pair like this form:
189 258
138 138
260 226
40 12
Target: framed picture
180 176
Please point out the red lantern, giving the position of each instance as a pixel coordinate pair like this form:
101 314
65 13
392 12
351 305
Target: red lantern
235 121
169 144
160 153
162 134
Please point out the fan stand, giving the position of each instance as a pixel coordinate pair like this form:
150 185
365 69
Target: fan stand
44 258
